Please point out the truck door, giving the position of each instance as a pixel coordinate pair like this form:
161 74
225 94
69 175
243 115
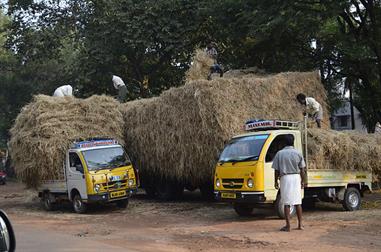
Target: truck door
276 145
76 175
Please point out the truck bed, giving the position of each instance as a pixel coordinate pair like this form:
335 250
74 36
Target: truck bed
331 178
55 186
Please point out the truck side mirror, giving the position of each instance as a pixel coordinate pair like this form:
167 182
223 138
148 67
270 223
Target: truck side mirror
7 236
79 167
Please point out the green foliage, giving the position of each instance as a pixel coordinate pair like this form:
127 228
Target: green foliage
149 44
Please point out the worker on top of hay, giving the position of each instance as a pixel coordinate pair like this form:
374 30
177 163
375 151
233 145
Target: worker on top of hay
62 91
313 108
289 166
121 87
212 52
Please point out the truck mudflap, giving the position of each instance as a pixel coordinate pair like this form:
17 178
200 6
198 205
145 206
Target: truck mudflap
111 196
240 197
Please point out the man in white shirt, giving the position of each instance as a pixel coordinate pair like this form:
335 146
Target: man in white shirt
62 91
121 87
313 108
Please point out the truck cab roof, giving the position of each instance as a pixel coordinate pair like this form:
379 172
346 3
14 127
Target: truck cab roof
270 132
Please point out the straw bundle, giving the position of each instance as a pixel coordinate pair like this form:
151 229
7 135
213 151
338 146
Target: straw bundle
179 135
344 150
46 127
200 67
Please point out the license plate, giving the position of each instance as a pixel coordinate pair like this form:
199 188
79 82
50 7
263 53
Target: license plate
117 194
228 195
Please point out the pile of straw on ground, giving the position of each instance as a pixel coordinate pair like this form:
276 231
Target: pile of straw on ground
344 150
179 135
45 129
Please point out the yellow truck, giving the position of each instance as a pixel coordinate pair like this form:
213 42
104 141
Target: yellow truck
94 171
244 174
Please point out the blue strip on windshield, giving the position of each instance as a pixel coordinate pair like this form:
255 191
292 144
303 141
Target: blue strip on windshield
261 137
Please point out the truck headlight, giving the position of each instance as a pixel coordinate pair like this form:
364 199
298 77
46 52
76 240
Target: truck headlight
130 182
218 183
250 183
97 187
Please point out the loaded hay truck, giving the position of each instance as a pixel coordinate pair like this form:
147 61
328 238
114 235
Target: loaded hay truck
244 174
94 171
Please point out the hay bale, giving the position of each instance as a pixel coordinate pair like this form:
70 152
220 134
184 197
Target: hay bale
344 150
200 67
179 135
46 127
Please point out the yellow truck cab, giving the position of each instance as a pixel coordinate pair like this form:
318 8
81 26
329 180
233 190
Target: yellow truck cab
244 174
94 171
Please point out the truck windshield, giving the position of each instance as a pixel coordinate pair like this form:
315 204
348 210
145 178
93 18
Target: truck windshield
243 149
106 158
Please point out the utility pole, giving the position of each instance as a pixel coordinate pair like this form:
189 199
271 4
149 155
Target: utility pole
351 105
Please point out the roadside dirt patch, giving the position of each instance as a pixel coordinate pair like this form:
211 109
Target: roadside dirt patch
196 225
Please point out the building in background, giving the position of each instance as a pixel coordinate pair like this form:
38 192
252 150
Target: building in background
341 119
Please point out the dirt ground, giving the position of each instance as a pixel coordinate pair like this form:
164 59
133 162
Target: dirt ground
196 225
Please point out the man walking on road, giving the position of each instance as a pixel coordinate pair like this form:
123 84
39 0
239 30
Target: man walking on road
289 166
313 108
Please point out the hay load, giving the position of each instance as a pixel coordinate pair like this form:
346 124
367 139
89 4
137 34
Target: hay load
46 127
344 150
179 135
201 64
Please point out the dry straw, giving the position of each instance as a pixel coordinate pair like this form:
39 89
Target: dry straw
180 134
201 64
46 127
345 150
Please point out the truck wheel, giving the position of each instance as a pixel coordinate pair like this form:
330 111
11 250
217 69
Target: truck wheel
47 202
279 208
243 210
122 203
352 199
78 205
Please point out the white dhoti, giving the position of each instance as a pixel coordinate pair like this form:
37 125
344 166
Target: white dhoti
290 189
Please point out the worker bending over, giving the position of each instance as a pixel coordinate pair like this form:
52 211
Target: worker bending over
62 91
313 108
215 68
121 87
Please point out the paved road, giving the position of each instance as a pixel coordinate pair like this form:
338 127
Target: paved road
31 239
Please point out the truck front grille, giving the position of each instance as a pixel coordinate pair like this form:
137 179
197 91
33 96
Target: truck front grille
232 183
114 185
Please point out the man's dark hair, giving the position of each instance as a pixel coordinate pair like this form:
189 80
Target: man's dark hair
301 97
289 140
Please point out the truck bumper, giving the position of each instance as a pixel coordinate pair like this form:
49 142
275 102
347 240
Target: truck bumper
241 197
105 197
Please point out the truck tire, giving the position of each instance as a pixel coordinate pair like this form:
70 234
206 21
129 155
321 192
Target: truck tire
122 203
352 199
243 210
78 205
279 208
47 202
